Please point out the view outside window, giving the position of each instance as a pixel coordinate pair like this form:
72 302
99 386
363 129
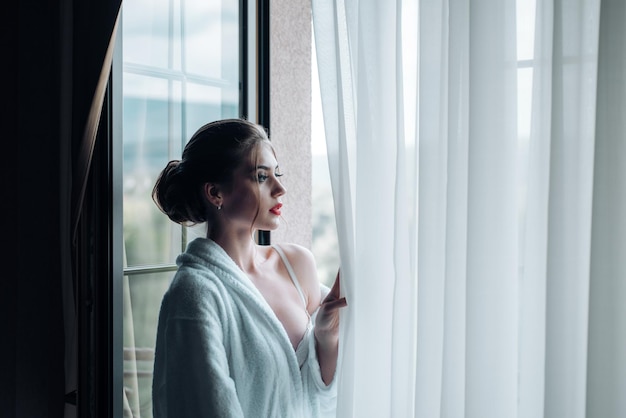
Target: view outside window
180 71
324 235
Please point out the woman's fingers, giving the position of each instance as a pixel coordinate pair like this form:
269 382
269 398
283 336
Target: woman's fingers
336 304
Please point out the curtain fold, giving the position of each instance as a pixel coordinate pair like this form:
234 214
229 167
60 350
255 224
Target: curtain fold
491 283
572 138
360 65
86 68
534 222
479 232
606 363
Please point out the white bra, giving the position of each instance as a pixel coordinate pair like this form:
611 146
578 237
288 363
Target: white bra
302 348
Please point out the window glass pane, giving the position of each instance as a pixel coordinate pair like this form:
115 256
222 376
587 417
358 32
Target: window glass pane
140 324
203 103
208 27
525 29
192 79
147 31
152 114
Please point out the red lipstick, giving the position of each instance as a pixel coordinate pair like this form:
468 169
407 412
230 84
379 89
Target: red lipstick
276 209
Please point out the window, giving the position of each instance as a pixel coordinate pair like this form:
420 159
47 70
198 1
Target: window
183 65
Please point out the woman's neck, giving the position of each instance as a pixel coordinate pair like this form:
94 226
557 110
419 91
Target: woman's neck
240 247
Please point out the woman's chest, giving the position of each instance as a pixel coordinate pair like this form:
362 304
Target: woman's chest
288 306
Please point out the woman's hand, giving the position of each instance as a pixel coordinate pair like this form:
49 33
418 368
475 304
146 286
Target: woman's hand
327 331
327 322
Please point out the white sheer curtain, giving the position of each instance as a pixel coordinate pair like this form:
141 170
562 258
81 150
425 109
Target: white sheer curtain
477 156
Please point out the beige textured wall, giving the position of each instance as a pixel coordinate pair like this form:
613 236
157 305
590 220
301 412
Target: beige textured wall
290 117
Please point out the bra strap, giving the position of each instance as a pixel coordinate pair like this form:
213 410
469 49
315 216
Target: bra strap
292 274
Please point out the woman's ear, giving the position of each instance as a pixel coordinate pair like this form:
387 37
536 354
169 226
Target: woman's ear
213 194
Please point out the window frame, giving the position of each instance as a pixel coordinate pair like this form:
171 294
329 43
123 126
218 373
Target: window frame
100 327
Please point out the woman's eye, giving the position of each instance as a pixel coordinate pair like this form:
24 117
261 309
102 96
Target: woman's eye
261 178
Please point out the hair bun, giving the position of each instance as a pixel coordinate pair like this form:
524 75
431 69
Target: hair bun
169 189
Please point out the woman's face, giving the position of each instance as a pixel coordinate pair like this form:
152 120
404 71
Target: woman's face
254 197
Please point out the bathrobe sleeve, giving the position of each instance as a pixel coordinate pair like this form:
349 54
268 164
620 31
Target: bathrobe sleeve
324 397
192 374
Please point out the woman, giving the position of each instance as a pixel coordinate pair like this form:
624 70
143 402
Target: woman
243 329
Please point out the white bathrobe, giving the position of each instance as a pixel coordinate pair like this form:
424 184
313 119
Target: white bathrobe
222 352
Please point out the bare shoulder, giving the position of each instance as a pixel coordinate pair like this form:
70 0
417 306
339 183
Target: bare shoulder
303 263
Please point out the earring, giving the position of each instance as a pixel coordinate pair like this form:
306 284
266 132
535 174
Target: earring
219 207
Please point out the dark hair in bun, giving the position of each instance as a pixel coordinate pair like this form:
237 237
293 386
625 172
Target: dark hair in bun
211 156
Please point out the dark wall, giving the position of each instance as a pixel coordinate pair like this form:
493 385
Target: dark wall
54 63
38 316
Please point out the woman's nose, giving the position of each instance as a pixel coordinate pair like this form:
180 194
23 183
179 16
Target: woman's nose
279 189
